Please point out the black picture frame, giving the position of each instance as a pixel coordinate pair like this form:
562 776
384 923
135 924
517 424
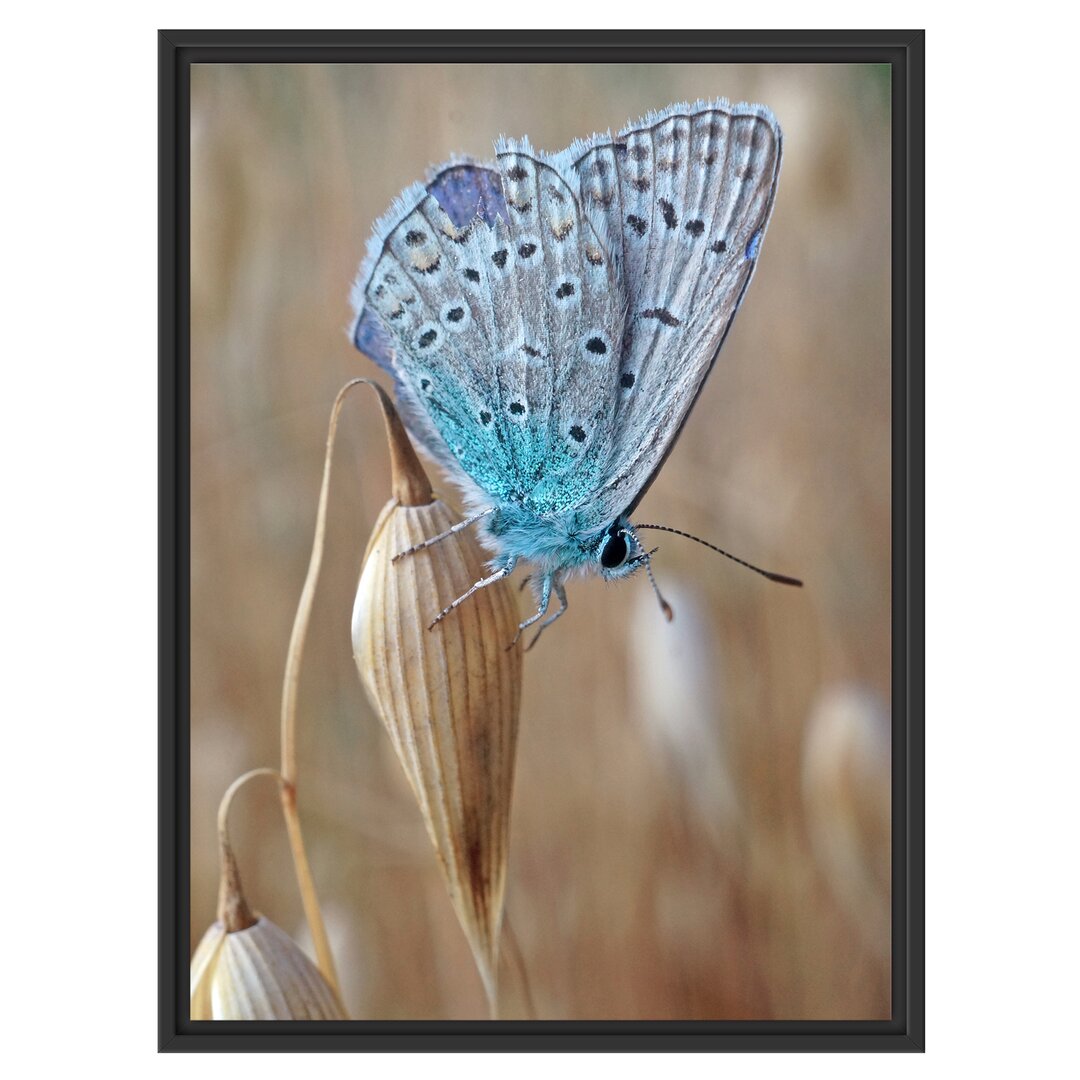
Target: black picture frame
903 50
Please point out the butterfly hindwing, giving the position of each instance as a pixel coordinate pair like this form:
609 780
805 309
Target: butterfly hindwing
466 190
485 316
688 194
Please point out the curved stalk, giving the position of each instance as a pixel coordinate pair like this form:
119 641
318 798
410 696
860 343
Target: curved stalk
304 879
233 910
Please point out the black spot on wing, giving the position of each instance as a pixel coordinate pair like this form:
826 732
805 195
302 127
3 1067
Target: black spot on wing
458 236
661 315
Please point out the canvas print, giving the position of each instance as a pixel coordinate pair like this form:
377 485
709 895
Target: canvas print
540 542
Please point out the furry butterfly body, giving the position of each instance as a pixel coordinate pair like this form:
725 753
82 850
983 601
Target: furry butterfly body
549 321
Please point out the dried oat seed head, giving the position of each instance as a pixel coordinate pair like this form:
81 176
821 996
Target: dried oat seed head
245 967
449 698
258 973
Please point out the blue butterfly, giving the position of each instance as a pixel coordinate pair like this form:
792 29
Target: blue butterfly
549 321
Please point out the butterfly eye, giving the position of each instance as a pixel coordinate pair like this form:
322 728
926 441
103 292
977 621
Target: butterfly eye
613 553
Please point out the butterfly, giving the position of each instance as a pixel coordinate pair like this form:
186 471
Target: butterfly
550 319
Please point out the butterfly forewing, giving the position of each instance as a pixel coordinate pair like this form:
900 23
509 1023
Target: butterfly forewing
565 295
688 196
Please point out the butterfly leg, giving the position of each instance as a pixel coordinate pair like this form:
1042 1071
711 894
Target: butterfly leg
545 600
483 583
443 535
560 592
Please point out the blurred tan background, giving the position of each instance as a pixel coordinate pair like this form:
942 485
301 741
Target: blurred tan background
701 817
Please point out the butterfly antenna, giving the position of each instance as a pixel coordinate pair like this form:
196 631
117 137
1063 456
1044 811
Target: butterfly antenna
665 607
783 579
646 557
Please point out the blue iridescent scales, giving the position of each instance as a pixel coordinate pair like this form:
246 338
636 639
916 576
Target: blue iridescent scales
549 320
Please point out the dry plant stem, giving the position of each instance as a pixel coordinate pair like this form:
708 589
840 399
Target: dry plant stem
514 949
410 492
306 884
233 910
304 879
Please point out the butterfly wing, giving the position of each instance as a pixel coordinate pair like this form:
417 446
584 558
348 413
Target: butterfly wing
464 190
686 196
480 319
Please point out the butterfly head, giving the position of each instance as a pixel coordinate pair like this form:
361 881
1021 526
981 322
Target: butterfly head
618 553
